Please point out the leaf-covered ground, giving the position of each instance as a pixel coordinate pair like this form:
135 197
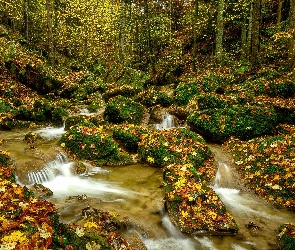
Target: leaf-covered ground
267 164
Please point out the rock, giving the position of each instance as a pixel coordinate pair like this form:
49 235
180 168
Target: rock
40 191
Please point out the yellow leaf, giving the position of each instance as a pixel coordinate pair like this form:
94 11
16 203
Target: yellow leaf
90 224
184 214
198 187
150 159
15 236
212 214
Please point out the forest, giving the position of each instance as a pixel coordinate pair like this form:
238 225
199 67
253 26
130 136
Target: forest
223 69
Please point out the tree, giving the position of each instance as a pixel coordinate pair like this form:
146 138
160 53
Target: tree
219 29
255 33
49 32
279 14
196 13
291 45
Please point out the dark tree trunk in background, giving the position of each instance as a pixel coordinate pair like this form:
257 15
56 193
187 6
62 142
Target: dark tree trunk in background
26 20
291 49
279 14
49 32
219 30
196 13
255 33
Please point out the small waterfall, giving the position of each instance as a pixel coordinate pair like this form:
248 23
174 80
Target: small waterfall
167 122
175 239
51 133
48 173
223 176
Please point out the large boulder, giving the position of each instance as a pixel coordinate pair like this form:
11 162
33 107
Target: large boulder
89 142
244 122
121 109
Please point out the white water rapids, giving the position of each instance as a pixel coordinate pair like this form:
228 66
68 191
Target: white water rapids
135 191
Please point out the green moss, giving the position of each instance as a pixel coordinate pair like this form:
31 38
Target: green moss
169 146
128 135
4 106
286 236
211 101
86 141
32 137
4 158
185 92
239 121
72 121
122 109
154 95
125 90
70 237
58 115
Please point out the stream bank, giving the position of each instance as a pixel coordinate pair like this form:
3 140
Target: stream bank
148 227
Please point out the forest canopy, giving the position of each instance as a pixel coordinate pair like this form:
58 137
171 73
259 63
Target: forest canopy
156 35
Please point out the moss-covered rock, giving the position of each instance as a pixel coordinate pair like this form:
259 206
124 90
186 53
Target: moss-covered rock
34 74
244 122
87 141
169 146
185 92
208 101
286 236
155 95
73 120
32 138
192 205
125 90
80 168
266 165
41 111
122 109
128 135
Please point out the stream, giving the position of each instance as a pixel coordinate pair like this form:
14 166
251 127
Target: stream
135 192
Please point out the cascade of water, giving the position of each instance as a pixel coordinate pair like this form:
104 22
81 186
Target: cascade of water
49 171
176 240
223 176
51 132
167 122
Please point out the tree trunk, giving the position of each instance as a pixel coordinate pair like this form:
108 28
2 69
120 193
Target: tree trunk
148 30
122 30
291 49
279 14
244 51
255 33
49 32
219 30
26 19
195 35
170 22
249 34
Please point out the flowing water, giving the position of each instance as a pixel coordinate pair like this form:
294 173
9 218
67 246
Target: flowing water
135 192
167 122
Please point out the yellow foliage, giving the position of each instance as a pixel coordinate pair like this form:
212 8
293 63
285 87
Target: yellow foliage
198 187
90 224
184 213
212 214
150 159
15 236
